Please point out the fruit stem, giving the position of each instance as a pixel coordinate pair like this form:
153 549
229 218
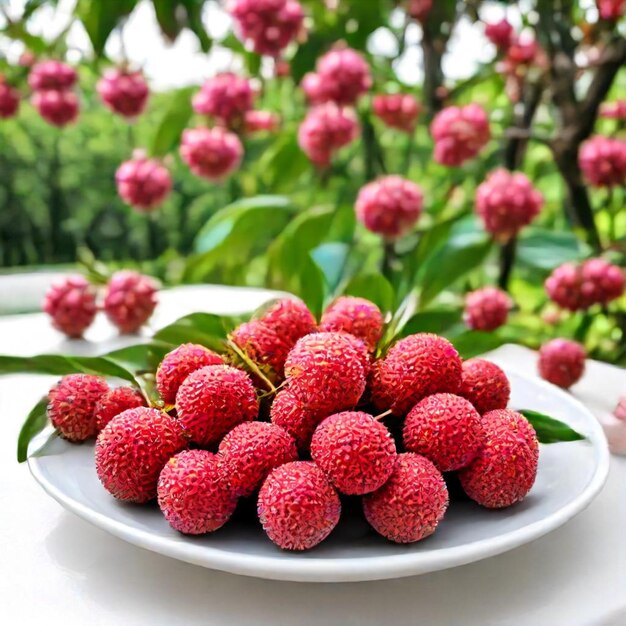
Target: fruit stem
251 364
379 417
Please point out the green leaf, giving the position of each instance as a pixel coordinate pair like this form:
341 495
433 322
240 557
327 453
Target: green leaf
139 358
33 425
61 365
435 321
233 233
550 430
100 18
373 287
194 23
166 12
174 120
204 328
472 343
331 259
544 249
464 251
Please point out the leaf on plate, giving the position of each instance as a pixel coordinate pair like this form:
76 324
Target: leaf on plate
550 430
33 425
204 328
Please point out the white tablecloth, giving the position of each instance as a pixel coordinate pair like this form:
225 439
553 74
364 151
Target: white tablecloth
57 569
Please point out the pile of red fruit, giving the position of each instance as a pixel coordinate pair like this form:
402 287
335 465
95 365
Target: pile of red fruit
345 420
128 301
52 83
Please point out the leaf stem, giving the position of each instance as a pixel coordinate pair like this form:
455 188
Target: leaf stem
251 364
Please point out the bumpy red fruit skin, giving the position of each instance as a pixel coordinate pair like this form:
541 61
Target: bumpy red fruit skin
356 452
9 100
562 362
500 34
615 110
259 121
250 451
290 413
262 344
133 448
192 495
72 404
446 429
603 161
356 316
460 133
297 506
116 401
505 469
143 183
415 367
398 110
410 505
486 308
178 364
327 371
611 9
211 153
506 202
226 97
71 303
129 300
485 385
214 399
290 318
58 108
124 92
326 129
390 206
51 75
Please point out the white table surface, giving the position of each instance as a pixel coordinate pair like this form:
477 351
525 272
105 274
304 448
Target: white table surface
57 569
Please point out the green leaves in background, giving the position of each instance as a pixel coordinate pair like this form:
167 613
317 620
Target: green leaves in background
176 117
100 18
542 249
374 287
550 430
35 422
435 321
204 328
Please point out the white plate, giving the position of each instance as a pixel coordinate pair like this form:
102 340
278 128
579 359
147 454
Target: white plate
570 475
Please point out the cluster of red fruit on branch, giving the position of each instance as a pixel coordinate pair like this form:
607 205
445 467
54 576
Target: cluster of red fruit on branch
287 414
128 301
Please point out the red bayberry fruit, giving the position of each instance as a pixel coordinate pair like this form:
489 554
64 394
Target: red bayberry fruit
211 153
116 401
486 308
9 100
226 97
143 183
129 300
485 385
124 92
71 303
562 362
603 161
398 110
51 75
58 108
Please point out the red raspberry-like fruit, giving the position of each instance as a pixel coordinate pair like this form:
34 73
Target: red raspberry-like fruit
72 405
500 34
577 287
459 133
192 495
419 9
71 303
51 75
613 110
261 344
291 414
129 300
297 506
116 401
326 129
410 505
506 202
356 316
523 51
226 97
124 92
327 371
611 10
486 308
58 108
344 76
446 429
133 448
213 400
259 121
415 367
178 364
398 110
251 451
268 25
603 161
211 153
562 362
313 89
143 183
485 385
505 469
290 318
356 452
389 206
9 100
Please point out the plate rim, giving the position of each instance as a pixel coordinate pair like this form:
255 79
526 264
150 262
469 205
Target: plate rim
346 569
